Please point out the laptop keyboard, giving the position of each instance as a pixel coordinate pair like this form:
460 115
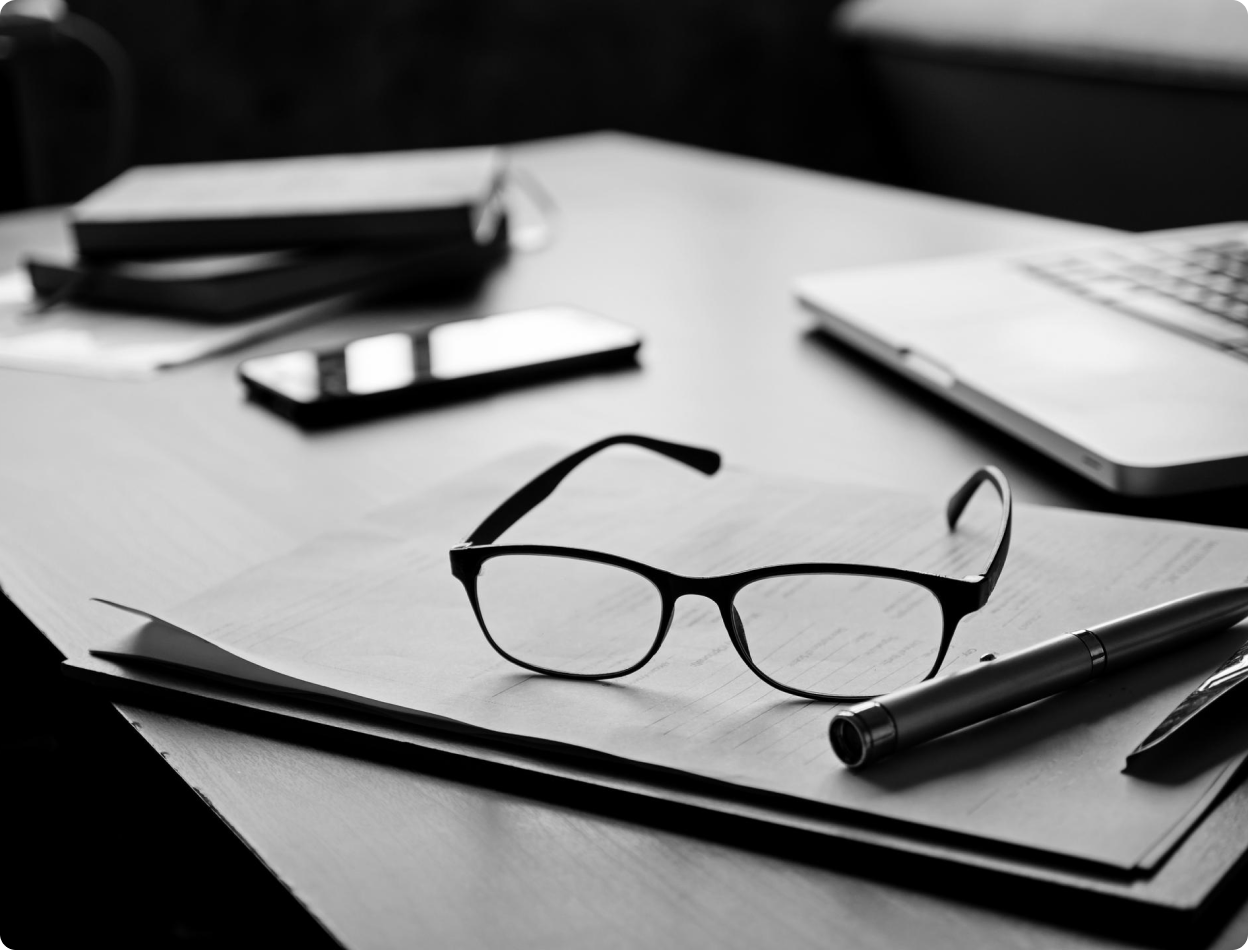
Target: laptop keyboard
1196 285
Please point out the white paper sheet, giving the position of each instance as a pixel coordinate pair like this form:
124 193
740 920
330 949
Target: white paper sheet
69 338
373 611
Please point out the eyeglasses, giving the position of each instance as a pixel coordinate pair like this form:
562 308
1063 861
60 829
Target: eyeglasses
825 631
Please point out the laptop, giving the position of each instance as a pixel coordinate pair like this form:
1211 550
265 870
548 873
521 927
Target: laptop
1125 359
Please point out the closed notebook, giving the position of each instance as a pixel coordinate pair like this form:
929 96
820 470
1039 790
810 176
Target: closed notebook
218 207
229 287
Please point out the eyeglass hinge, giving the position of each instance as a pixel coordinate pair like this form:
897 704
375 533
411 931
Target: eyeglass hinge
974 578
461 546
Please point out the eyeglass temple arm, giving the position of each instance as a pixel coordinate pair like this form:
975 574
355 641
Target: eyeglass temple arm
989 473
526 498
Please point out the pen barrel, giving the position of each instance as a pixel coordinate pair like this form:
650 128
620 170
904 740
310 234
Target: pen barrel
1158 630
987 689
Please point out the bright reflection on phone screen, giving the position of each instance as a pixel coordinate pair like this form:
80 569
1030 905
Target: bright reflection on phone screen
395 361
380 363
471 347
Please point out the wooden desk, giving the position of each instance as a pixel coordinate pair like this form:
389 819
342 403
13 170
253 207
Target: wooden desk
146 492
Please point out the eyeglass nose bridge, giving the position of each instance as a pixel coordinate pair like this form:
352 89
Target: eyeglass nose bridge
719 591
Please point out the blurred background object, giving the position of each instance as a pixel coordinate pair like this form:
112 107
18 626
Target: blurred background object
67 103
1122 112
1128 113
224 79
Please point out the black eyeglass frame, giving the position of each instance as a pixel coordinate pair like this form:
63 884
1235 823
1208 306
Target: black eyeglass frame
957 597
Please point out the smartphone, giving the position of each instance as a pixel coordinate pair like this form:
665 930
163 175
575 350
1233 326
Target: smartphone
461 358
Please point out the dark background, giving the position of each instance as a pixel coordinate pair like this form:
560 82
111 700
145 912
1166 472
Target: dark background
1109 114
219 79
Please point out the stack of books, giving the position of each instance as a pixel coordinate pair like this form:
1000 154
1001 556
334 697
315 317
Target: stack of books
224 241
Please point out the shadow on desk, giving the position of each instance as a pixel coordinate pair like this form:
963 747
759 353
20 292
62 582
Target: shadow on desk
93 822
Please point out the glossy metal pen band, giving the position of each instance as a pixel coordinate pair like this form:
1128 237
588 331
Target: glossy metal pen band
1096 650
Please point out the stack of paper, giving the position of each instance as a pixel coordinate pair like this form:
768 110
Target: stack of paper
371 615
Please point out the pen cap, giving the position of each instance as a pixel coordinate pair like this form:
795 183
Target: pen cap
862 733
1149 632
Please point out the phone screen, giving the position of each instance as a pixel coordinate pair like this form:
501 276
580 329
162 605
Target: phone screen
449 351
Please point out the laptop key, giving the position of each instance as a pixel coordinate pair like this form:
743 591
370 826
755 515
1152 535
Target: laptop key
1199 290
1235 310
1169 312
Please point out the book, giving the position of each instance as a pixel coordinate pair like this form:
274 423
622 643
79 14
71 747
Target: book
368 617
221 207
232 286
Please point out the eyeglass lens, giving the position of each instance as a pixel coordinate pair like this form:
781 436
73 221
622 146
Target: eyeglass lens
840 634
568 615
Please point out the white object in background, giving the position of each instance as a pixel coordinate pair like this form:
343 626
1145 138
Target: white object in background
73 339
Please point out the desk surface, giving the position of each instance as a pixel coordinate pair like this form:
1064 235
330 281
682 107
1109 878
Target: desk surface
146 492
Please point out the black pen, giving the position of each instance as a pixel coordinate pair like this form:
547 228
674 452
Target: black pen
871 730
